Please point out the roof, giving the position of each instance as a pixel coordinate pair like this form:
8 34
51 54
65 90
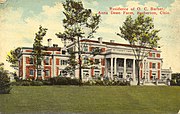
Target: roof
46 48
112 43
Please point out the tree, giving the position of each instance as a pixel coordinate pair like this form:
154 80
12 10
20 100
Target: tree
38 48
78 23
12 57
141 35
4 81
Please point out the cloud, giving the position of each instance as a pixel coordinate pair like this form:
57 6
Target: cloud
169 24
19 32
2 1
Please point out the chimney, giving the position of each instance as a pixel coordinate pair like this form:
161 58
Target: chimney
100 40
49 42
111 41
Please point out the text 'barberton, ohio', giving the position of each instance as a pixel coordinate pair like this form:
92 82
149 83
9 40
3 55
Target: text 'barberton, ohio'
135 10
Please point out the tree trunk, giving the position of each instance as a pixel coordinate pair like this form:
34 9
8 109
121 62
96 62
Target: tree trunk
79 58
138 67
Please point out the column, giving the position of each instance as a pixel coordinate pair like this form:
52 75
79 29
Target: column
111 68
124 76
134 69
115 66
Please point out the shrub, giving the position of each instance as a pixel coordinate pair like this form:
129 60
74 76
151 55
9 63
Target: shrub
37 83
4 82
64 81
106 83
46 82
24 83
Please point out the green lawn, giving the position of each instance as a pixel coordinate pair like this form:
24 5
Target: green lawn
92 99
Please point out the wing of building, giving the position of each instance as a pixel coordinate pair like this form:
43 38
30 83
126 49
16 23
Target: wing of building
113 60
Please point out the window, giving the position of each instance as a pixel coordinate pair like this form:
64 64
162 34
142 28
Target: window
96 61
153 76
120 75
153 55
31 72
47 73
85 73
85 60
63 52
129 64
39 61
39 72
121 63
154 65
47 61
63 62
96 73
85 48
31 61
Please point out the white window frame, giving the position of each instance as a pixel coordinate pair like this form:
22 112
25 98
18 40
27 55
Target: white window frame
31 71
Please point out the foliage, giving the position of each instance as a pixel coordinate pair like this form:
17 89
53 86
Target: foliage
78 23
4 81
12 57
106 83
37 83
38 52
141 35
63 81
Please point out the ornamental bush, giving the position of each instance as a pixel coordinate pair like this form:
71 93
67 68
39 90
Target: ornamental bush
4 82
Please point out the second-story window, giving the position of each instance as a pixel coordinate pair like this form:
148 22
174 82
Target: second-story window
85 48
153 55
96 61
63 62
154 65
47 61
31 61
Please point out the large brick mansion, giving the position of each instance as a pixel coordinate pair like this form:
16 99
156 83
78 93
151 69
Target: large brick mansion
114 60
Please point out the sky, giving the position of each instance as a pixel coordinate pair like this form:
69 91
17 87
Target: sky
20 20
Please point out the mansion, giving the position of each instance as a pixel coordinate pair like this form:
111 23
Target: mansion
113 60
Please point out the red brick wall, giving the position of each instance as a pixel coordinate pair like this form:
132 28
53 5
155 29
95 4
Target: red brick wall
47 68
28 51
57 61
28 68
150 65
58 52
90 48
158 55
141 73
50 61
21 67
27 60
158 74
159 65
150 74
103 49
92 72
103 69
103 62
150 54
57 71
